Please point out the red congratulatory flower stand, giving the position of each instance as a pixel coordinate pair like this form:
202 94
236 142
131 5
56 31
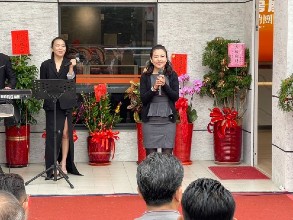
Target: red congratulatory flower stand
227 149
141 152
182 149
99 154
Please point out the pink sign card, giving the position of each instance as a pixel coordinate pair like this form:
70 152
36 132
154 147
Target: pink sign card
236 53
179 63
20 42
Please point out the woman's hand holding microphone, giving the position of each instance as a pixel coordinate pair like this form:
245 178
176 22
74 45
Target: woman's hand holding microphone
160 81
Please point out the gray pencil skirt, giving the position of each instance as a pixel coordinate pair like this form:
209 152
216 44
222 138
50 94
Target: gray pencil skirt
159 132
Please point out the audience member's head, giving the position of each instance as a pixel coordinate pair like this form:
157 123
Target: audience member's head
159 179
10 208
14 183
207 199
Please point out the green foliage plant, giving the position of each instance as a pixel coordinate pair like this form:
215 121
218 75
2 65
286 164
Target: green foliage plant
133 93
228 86
285 94
25 75
97 115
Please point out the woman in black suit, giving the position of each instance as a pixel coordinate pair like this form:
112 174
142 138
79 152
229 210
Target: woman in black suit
59 67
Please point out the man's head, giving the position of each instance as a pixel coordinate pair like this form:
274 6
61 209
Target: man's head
10 207
14 183
207 199
159 178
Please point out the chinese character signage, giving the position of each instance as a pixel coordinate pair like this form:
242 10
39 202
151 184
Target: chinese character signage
266 27
179 63
236 53
20 42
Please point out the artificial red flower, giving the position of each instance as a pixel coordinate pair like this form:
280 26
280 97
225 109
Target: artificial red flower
100 91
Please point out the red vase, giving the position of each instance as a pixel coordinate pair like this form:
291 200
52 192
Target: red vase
17 145
141 152
182 148
228 148
99 154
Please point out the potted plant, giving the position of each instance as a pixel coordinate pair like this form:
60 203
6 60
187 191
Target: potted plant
228 87
133 93
17 136
96 114
186 116
285 94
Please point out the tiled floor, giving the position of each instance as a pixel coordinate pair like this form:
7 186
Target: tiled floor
265 151
119 177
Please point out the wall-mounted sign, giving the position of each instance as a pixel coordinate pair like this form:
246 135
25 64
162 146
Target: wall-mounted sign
266 27
20 42
236 53
179 63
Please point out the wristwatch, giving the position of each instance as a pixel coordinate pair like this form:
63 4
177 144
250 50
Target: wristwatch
153 89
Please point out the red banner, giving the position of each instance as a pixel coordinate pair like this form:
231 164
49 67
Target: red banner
20 42
179 63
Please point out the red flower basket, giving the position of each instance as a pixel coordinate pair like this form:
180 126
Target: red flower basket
101 145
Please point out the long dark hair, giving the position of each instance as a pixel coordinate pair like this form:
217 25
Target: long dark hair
52 44
150 67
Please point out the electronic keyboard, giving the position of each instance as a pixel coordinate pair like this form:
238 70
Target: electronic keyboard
15 93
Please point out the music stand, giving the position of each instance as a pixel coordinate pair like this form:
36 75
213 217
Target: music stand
53 89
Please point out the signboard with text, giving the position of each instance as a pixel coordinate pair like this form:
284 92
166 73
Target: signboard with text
266 30
236 53
179 63
20 42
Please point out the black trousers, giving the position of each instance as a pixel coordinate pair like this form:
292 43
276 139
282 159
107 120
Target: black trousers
49 150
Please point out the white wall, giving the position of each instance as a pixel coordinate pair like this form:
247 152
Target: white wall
183 27
282 124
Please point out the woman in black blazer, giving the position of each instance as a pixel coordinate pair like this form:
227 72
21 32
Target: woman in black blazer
159 90
6 72
59 67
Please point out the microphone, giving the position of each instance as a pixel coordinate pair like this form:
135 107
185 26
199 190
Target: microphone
160 74
77 60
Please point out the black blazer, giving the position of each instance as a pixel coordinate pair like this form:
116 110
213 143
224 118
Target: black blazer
146 94
48 71
6 72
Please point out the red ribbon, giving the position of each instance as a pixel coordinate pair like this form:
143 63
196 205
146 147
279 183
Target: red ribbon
104 137
75 137
181 106
223 119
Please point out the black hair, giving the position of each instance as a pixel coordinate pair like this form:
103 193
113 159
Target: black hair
158 178
207 199
13 183
150 67
52 44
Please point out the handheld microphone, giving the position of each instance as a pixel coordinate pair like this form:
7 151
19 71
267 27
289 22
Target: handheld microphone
77 60
160 87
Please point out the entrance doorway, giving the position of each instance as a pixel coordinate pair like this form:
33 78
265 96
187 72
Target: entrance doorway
264 145
265 72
